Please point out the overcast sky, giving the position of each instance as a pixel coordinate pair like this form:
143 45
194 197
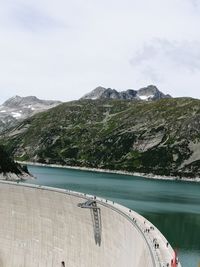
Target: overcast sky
65 48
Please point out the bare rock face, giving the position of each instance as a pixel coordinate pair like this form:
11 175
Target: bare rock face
18 101
18 108
148 93
95 94
151 92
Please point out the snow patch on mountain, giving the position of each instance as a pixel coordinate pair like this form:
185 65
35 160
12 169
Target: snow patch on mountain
16 114
146 97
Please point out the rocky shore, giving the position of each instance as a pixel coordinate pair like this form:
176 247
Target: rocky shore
15 177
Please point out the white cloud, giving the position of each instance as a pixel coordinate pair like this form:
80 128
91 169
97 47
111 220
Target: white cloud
62 49
178 55
164 62
30 18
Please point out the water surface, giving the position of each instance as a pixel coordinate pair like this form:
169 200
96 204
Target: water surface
173 206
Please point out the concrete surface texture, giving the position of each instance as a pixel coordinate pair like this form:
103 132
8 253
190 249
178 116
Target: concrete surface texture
42 227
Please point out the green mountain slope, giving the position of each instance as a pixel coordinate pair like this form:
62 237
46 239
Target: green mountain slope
161 137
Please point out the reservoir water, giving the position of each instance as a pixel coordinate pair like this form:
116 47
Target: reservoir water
172 206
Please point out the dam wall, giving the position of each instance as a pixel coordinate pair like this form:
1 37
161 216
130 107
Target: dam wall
43 226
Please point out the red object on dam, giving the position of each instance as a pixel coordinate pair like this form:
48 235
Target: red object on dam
174 262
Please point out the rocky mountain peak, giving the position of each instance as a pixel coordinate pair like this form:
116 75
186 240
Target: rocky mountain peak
129 94
95 94
150 89
151 92
19 101
18 108
148 93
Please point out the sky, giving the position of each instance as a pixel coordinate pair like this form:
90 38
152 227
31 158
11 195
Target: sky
65 48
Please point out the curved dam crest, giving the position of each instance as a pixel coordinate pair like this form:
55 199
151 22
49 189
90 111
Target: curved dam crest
44 226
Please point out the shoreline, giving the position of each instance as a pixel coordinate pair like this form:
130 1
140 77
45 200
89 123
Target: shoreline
15 177
143 175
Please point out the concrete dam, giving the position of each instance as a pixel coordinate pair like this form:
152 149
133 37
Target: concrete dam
47 227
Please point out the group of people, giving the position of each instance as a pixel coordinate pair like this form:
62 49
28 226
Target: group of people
156 245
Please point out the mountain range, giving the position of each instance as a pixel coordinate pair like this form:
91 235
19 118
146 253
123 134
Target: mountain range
149 93
18 108
159 137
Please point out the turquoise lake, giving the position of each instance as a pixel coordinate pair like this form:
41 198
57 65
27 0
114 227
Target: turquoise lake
173 206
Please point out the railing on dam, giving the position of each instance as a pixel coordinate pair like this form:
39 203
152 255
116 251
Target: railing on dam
160 250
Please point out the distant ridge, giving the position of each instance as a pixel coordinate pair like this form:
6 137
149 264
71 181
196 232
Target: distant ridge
19 108
148 93
18 101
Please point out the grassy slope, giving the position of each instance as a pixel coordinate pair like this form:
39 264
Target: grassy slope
135 136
